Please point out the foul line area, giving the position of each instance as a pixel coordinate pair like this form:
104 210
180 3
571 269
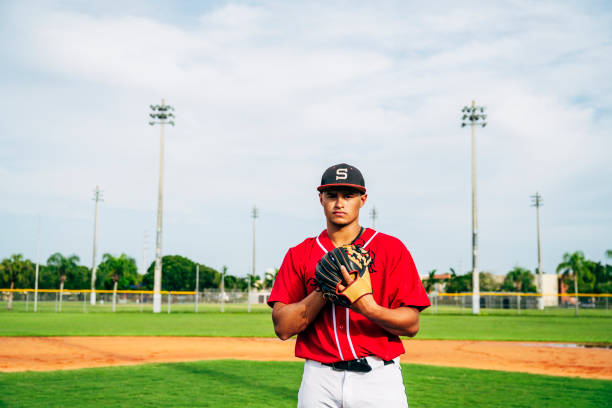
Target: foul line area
61 353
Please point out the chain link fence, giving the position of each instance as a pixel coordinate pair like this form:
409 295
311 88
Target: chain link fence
23 300
517 303
131 301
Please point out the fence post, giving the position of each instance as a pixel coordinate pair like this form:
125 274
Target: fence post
84 302
27 301
462 303
141 303
606 305
436 304
56 296
169 301
518 303
197 287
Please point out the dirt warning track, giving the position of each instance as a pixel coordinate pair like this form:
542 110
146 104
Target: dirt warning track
56 353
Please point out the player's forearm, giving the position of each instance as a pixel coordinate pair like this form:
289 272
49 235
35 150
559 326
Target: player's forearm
403 321
291 319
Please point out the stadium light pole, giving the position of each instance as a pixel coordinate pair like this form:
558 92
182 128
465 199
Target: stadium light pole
374 215
537 202
94 268
161 115
474 116
254 214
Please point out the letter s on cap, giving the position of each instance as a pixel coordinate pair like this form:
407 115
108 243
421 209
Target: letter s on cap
342 174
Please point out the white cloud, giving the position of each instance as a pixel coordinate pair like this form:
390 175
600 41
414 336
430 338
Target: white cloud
267 96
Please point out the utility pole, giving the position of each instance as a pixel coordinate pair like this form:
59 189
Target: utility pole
537 202
254 214
373 215
37 265
161 115
472 116
97 198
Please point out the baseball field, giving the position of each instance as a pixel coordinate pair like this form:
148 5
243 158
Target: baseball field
233 359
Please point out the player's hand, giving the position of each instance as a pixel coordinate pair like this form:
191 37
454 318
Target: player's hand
346 276
364 304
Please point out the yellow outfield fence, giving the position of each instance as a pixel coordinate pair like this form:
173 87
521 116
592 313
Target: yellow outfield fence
148 292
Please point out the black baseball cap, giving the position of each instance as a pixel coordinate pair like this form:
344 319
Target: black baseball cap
342 175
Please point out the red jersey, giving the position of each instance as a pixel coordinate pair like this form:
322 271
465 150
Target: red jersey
339 333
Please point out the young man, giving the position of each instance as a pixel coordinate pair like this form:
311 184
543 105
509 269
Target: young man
352 354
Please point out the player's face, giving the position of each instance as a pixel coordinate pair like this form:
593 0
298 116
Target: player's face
341 206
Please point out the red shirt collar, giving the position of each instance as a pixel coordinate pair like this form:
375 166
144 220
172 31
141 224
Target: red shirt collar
328 245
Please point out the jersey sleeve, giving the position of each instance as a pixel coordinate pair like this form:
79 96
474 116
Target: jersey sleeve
410 290
289 284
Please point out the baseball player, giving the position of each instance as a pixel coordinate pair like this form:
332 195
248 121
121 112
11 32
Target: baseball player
351 354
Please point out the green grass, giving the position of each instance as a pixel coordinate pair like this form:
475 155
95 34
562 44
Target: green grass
259 324
231 383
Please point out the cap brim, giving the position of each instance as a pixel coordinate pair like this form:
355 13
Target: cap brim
355 186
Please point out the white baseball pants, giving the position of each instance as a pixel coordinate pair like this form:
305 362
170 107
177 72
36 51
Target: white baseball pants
322 386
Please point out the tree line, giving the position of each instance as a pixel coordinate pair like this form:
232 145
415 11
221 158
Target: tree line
592 277
120 273
179 273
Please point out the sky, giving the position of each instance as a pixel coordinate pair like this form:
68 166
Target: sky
269 94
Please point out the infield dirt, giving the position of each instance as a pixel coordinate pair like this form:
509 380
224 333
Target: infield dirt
56 353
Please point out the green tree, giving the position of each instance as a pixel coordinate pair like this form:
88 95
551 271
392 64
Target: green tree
599 278
78 278
47 278
459 283
13 270
574 269
269 278
235 283
63 266
115 270
519 280
429 283
179 273
488 282
209 278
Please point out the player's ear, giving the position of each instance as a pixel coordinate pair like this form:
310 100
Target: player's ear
321 198
364 198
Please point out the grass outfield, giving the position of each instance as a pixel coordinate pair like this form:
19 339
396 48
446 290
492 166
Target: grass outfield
259 324
231 383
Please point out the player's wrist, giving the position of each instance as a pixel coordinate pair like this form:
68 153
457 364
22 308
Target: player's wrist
366 306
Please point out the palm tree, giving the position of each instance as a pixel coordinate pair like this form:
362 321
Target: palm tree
430 282
116 267
520 279
11 270
570 268
269 278
63 266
